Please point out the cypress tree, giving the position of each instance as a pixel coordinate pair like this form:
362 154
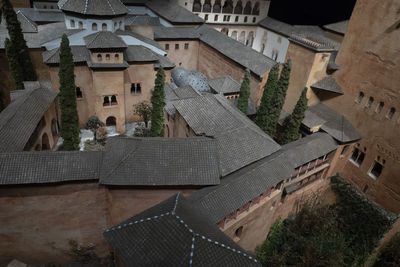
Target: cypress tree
18 44
243 101
69 114
158 104
293 122
278 99
269 89
15 68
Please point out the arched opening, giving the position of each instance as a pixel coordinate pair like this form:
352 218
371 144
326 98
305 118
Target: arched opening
103 27
228 7
392 111
106 101
225 31
217 7
207 6
256 9
369 103
45 142
116 57
111 121
78 92
94 26
238 231
360 97
247 8
234 35
80 25
238 8
250 39
245 19
114 100
379 107
72 23
99 57
196 6
115 25
242 37
54 128
108 57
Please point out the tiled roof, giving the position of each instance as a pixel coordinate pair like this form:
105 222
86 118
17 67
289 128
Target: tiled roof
104 39
139 37
339 27
173 13
277 26
224 85
160 161
240 141
94 7
175 33
251 106
328 84
164 62
236 51
138 53
144 20
336 125
41 16
240 187
27 25
174 233
19 120
122 65
48 167
79 54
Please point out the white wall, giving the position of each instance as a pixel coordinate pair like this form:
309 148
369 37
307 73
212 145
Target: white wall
272 43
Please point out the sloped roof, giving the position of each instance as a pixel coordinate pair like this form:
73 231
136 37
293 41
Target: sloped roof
42 15
79 54
174 233
240 141
164 62
160 161
48 167
104 39
339 27
139 37
254 179
236 51
224 85
19 119
138 53
175 33
336 125
94 7
277 26
27 25
142 20
328 84
251 106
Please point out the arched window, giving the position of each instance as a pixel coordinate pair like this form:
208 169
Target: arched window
54 128
217 7
78 92
207 6
379 107
245 19
108 57
45 7
242 37
103 27
72 23
111 121
94 26
80 25
238 232
216 18
247 8
360 97
250 39
45 142
115 25
225 31
196 6
369 103
234 35
120 25
238 8
99 57
391 112
116 57
114 100
228 7
106 101
256 9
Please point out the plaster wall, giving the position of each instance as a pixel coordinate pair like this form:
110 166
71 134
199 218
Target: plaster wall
267 42
244 34
185 58
369 61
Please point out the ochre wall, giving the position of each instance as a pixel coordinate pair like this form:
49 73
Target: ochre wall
369 61
185 58
20 3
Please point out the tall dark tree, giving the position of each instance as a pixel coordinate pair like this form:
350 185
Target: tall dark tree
293 121
269 89
69 114
278 100
158 104
15 67
20 53
243 101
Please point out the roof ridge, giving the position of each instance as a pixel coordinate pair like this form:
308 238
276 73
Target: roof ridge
86 6
27 19
112 9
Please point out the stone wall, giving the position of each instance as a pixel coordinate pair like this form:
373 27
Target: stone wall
185 58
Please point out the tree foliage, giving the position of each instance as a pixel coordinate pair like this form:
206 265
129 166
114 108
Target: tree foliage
269 90
293 122
2 101
243 101
158 104
144 110
278 99
69 114
93 124
389 255
16 49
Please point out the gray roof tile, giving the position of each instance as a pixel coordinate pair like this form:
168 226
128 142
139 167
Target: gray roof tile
27 25
339 27
175 33
79 54
48 167
224 85
328 84
19 120
173 13
41 16
138 53
277 26
143 20
104 39
139 37
160 161
95 8
173 233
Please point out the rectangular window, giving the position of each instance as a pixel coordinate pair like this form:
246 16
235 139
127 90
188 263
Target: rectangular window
376 170
176 46
357 157
186 46
206 17
136 88
215 17
166 46
254 20
237 19
275 54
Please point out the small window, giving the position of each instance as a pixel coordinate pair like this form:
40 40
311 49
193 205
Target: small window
176 46
376 170
106 101
108 57
344 150
254 20
279 39
94 27
115 25
136 88
78 92
186 46
379 107
215 17
206 17
391 112
369 103
72 23
116 57
103 27
275 54
239 231
80 25
237 19
365 188
245 19
99 57
166 46
357 157
114 100
360 97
